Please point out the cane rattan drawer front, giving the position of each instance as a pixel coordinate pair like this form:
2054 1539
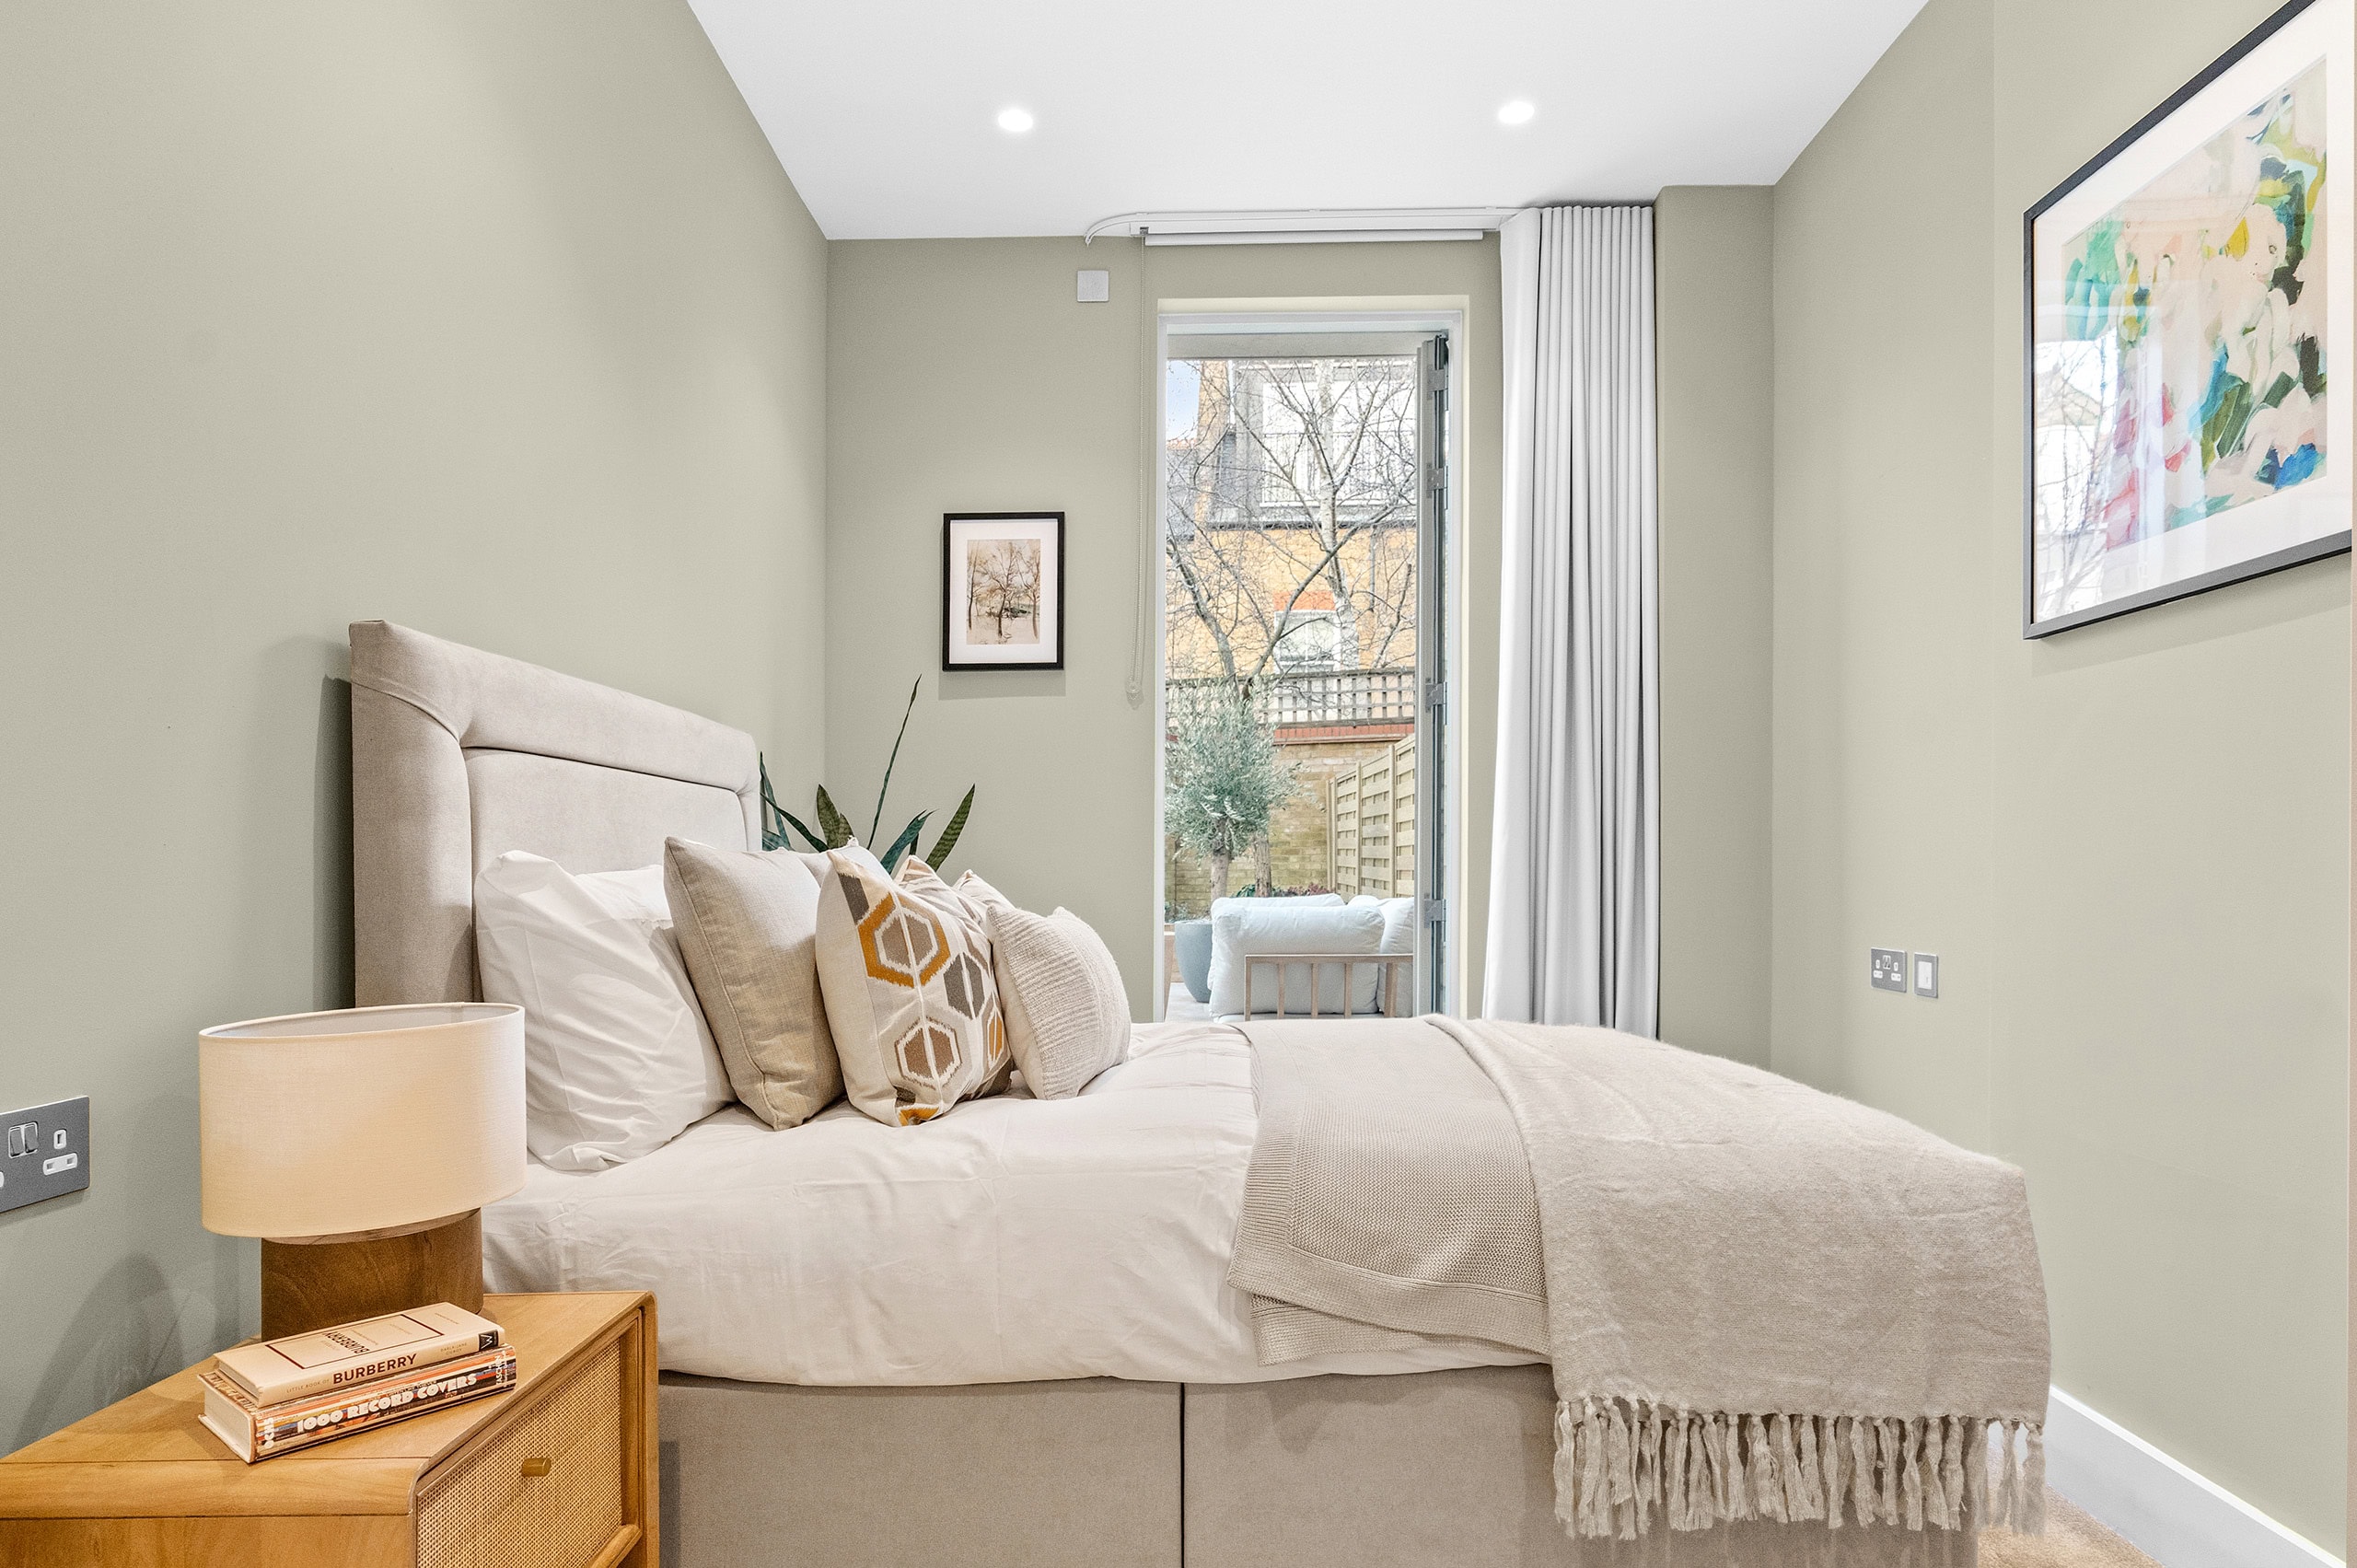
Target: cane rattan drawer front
544 1493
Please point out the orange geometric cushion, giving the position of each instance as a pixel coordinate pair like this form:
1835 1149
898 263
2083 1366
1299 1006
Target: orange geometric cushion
904 964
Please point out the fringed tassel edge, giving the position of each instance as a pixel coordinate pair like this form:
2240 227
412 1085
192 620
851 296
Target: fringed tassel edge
1621 1462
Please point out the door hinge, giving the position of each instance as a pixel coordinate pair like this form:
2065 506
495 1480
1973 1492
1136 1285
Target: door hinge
1436 912
1436 699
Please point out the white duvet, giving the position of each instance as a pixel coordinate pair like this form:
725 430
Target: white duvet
1008 1240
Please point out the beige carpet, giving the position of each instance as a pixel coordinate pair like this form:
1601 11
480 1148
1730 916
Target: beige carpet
2072 1540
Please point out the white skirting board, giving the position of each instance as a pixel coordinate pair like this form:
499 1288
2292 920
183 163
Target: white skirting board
2176 1516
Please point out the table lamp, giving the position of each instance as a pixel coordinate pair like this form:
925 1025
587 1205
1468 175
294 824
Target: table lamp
361 1146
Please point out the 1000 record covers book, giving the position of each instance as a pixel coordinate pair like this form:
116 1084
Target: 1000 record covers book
255 1431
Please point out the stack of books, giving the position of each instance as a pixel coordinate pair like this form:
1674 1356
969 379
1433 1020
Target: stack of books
274 1397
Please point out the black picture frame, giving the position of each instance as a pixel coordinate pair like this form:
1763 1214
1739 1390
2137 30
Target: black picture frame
2260 565
1048 610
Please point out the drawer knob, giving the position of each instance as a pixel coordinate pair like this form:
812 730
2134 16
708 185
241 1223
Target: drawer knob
536 1467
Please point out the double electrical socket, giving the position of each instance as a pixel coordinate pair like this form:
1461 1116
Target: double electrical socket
44 1152
1886 970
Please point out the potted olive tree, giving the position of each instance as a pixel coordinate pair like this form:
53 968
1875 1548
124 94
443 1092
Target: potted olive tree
1221 781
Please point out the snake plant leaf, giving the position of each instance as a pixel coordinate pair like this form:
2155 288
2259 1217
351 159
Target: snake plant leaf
832 822
948 839
877 821
776 819
817 844
905 842
772 837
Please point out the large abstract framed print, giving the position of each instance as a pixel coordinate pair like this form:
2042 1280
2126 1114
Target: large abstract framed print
1003 590
2189 304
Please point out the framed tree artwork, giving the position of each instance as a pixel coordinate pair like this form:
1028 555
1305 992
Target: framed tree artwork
2187 304
1003 590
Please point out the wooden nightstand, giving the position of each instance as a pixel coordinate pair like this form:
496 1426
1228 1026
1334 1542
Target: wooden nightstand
560 1472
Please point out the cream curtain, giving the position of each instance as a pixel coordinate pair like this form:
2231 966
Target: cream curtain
1574 871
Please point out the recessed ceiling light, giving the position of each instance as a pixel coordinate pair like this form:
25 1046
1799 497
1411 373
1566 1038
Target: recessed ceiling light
1015 121
1518 113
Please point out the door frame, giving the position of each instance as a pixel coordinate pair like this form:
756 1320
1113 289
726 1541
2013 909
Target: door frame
1184 319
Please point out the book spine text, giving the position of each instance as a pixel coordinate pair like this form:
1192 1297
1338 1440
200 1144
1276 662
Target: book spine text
278 1431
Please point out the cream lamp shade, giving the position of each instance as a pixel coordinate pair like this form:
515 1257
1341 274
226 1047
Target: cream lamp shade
368 1120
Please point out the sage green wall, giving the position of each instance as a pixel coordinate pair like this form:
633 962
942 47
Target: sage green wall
1885 559
1714 403
498 321
962 377
2129 843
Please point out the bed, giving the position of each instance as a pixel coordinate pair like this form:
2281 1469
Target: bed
1019 1242
1008 1339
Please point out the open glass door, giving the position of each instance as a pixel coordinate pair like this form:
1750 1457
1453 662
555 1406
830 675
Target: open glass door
1430 848
1305 511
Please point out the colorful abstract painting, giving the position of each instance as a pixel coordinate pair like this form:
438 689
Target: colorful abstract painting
2183 351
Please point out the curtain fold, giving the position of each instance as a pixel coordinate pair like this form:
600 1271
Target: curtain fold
1574 859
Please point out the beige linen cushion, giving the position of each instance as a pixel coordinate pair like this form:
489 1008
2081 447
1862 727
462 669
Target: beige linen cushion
905 966
747 924
1067 1016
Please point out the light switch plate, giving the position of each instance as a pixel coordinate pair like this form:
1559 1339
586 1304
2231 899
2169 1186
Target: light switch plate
1927 974
1886 969
1096 285
55 1159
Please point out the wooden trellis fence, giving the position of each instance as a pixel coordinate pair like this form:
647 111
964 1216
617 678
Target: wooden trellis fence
1371 825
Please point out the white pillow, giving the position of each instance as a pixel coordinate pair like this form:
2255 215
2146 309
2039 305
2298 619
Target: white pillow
1398 921
1291 925
617 1057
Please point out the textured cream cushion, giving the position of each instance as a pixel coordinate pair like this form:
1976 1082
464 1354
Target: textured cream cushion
617 1061
905 965
1067 1016
748 923
1251 928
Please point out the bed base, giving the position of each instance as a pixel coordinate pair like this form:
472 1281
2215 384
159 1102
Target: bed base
1081 1474
1429 1469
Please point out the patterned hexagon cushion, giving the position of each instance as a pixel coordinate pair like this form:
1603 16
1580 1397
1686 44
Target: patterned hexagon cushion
904 964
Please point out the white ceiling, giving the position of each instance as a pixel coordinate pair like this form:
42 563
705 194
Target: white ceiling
883 111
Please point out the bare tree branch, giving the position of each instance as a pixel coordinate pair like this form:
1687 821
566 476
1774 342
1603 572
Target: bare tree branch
1299 474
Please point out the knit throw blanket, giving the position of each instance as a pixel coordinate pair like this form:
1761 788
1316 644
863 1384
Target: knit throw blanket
1762 1302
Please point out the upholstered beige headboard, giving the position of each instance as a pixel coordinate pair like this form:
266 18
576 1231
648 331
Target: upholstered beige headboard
458 756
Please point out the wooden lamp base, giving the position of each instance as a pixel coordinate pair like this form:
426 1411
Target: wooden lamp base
319 1283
